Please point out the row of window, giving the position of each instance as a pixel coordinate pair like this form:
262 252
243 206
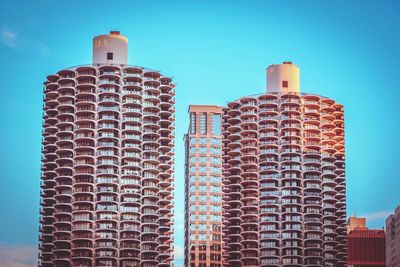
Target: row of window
203 218
205 179
205 198
204 237
203 150
215 128
205 227
213 160
203 208
203 169
203 141
203 188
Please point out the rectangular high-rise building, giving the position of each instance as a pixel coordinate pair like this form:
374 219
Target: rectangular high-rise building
108 156
284 201
393 239
203 187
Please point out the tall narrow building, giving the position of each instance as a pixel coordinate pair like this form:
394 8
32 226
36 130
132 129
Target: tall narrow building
284 200
203 187
108 155
393 239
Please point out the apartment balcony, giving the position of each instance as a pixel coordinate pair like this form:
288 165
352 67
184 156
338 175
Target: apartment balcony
248 101
64 85
152 76
61 258
268 99
52 79
249 165
233 121
129 257
109 71
86 71
290 97
248 115
86 95
132 72
267 111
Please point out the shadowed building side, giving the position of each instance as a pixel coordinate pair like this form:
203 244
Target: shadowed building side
393 239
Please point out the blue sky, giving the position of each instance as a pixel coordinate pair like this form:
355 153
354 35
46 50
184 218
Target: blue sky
217 51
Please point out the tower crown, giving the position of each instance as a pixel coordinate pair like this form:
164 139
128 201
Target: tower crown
110 48
283 77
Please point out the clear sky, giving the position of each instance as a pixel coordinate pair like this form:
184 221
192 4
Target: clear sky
217 51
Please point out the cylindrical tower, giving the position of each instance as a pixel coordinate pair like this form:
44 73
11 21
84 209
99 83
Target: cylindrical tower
283 77
284 177
110 49
108 156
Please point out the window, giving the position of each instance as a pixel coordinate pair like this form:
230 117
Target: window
215 141
215 189
216 126
110 56
215 170
202 227
203 159
215 179
215 198
215 160
215 218
202 237
216 151
192 123
214 208
285 84
203 123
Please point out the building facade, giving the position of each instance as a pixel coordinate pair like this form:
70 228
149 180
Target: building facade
365 247
108 156
393 239
284 201
203 187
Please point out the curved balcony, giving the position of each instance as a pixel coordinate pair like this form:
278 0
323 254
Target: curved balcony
131 71
290 97
133 82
